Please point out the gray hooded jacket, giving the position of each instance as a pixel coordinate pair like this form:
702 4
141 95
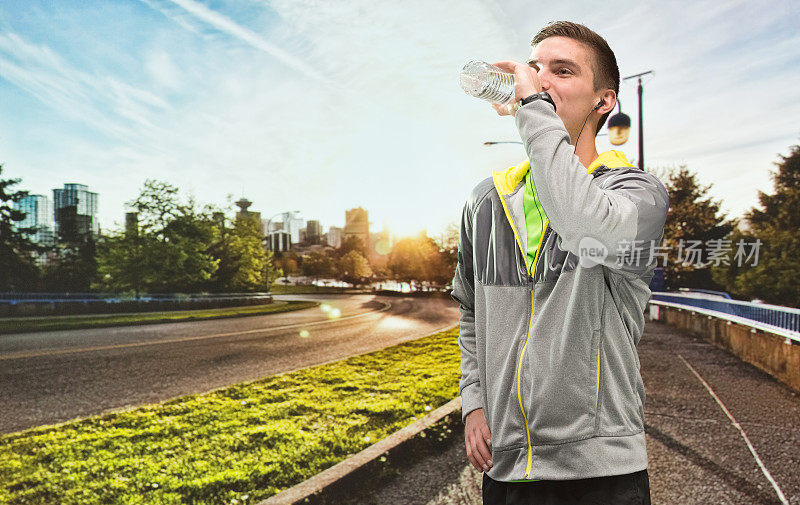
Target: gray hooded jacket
548 350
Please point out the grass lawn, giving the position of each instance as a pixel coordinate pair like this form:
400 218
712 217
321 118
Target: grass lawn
239 444
19 325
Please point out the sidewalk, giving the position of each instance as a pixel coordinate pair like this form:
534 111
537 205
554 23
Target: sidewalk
446 478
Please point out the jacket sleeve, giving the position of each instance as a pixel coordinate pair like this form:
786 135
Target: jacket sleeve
618 223
464 293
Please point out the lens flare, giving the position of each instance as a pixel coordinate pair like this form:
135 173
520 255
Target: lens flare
383 247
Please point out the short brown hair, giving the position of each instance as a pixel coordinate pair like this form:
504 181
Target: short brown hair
604 63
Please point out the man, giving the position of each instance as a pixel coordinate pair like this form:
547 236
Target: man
554 262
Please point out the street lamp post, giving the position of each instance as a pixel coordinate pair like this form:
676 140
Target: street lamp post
641 127
641 120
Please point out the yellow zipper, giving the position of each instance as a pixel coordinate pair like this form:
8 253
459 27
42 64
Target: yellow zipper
519 395
528 466
532 270
597 387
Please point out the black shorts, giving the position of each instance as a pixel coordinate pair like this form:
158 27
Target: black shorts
628 489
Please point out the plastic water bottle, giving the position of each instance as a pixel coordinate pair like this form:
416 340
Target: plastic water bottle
486 81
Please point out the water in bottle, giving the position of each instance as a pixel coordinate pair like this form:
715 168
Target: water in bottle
486 81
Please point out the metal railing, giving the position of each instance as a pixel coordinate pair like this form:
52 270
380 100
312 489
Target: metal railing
14 298
784 321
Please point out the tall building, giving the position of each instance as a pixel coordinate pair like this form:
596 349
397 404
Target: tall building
75 210
357 225
38 216
295 224
335 236
313 231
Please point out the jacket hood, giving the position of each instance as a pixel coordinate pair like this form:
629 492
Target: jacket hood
507 180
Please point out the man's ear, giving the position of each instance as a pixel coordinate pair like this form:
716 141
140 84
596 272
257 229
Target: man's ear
608 97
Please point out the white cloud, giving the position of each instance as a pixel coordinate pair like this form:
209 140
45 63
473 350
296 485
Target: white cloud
251 38
103 102
162 69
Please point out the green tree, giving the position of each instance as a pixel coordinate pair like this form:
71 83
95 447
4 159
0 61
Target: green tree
73 267
176 236
447 243
244 263
18 270
317 265
381 272
774 276
354 268
126 263
694 219
289 263
350 243
157 205
186 264
418 260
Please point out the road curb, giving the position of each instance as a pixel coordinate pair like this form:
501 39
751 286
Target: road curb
339 475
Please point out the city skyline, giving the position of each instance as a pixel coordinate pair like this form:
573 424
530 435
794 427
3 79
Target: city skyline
75 202
277 101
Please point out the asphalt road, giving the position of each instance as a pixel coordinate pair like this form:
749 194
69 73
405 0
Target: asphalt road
52 377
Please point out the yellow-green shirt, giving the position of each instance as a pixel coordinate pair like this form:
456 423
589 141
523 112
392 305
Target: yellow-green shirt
535 220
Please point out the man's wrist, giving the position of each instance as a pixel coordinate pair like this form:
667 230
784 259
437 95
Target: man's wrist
543 95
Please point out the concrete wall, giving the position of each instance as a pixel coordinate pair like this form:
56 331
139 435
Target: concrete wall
767 351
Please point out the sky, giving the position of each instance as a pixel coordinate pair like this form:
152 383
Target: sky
324 106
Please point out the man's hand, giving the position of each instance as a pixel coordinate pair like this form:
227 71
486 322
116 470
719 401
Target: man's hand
526 83
478 439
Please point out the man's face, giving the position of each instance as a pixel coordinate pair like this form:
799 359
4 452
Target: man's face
565 72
